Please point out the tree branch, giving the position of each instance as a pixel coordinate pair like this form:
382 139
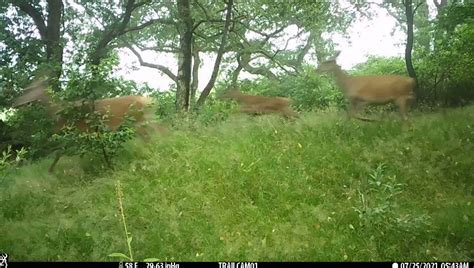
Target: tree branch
220 54
35 15
236 72
125 19
146 24
266 35
113 31
161 68
417 6
208 20
204 10
305 50
391 13
159 49
137 5
263 71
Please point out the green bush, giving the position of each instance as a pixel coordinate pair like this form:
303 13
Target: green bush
100 141
166 105
214 111
32 126
381 66
10 158
446 76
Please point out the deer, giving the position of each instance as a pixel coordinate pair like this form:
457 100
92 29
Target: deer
259 105
116 111
361 90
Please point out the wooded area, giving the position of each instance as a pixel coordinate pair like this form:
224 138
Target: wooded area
78 43
204 182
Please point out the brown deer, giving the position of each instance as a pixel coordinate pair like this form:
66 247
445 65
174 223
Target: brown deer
259 105
115 110
361 90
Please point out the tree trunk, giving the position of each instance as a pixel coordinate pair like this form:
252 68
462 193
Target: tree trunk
50 33
185 55
195 76
440 4
236 73
410 37
54 46
220 53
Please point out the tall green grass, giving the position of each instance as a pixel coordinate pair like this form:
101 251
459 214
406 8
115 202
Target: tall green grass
321 188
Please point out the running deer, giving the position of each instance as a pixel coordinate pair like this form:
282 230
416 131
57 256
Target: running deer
361 90
258 105
115 110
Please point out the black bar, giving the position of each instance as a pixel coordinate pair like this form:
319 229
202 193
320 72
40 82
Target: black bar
453 264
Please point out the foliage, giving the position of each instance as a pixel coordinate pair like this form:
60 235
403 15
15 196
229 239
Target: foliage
446 74
120 199
380 66
315 189
128 236
166 105
83 85
20 52
99 141
10 159
378 206
97 82
32 127
215 111
292 186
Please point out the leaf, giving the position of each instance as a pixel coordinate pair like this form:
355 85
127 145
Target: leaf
120 255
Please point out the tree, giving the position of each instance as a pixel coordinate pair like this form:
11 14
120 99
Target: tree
422 28
220 54
409 13
49 30
241 36
404 12
185 28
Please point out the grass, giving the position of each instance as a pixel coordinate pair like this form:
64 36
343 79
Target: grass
258 189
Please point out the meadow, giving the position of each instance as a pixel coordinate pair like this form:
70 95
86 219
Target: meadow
320 188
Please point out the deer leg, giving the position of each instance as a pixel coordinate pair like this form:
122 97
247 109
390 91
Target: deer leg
152 129
354 109
288 113
354 106
143 132
106 157
157 128
147 130
58 155
350 109
248 110
403 108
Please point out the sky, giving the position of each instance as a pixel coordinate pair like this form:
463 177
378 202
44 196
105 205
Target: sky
374 36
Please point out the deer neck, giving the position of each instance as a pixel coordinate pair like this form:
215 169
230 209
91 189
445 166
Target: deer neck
238 96
342 79
51 106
